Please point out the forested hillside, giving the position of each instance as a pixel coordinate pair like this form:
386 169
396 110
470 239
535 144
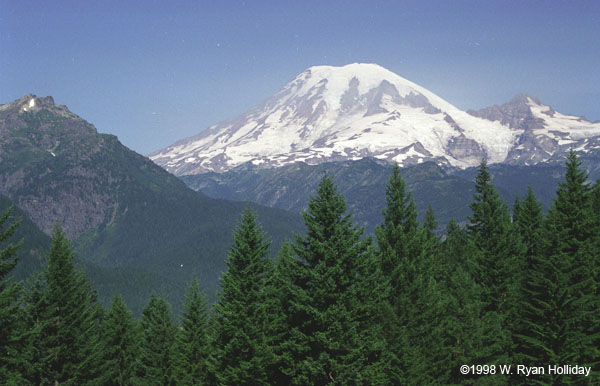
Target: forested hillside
134 227
362 182
337 306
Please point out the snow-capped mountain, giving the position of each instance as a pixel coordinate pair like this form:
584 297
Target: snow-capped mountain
363 110
546 134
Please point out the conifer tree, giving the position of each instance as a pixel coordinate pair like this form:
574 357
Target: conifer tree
333 340
240 352
155 364
406 256
397 236
119 346
10 331
192 340
496 238
567 302
430 241
466 329
284 288
595 211
68 320
500 262
528 218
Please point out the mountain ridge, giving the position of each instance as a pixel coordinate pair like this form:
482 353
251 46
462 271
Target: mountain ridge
124 214
361 110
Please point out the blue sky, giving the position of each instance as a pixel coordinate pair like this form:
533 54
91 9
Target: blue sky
153 72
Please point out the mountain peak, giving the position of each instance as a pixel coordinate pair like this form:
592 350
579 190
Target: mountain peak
340 113
330 113
29 102
524 99
33 103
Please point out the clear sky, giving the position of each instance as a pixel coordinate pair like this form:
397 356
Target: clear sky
153 72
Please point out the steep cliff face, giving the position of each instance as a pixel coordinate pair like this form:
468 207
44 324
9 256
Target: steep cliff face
38 142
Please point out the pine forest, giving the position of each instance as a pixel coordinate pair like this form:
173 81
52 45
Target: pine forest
496 301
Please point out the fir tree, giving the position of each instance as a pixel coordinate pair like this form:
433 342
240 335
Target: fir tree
499 267
35 307
397 236
406 255
528 218
155 364
566 301
68 320
430 224
10 331
430 241
501 249
284 288
240 352
119 346
192 340
333 340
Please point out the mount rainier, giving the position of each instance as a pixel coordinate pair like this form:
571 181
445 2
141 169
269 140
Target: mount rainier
364 110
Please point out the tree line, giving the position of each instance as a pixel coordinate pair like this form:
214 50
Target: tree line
337 307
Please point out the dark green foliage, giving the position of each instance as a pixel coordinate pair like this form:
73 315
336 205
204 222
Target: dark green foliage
528 218
500 260
57 167
240 352
192 347
361 182
414 322
35 306
35 242
331 340
430 224
330 310
448 191
155 363
564 299
119 346
67 321
283 289
9 301
465 328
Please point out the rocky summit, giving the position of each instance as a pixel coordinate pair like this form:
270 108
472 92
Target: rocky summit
364 110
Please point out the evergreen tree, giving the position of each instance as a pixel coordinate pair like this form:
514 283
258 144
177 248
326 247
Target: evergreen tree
467 332
528 218
240 352
10 332
397 237
333 340
155 364
430 224
68 320
35 308
192 340
501 249
566 301
430 242
406 256
595 212
284 287
500 260
119 345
